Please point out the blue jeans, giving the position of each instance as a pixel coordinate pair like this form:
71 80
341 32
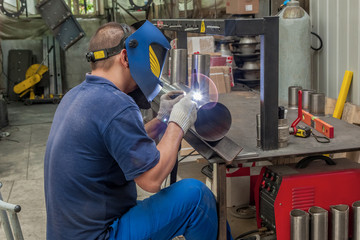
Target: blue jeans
185 208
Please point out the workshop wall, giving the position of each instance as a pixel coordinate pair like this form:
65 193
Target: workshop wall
337 22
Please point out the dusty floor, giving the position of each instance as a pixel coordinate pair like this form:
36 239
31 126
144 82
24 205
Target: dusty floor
21 169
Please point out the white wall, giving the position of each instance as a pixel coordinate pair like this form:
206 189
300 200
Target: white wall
338 23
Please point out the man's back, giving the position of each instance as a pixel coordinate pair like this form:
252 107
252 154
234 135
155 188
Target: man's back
89 163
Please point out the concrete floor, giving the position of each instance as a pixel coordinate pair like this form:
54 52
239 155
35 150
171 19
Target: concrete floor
22 162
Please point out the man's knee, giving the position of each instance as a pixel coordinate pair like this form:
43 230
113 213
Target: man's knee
195 191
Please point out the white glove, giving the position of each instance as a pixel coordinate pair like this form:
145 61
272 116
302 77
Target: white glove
184 113
167 101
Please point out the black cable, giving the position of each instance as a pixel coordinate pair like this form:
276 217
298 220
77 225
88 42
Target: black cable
246 233
321 42
187 155
321 139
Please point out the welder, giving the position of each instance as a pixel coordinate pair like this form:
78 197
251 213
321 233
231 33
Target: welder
99 149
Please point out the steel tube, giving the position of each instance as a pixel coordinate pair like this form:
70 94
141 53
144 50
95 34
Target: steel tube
179 69
293 96
213 121
306 100
340 222
317 105
356 220
299 225
318 223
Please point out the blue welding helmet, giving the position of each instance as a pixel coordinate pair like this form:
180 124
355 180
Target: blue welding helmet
147 48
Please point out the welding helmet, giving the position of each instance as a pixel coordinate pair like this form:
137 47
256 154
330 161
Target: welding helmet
146 49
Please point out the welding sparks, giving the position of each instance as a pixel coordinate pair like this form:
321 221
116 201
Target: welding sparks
197 96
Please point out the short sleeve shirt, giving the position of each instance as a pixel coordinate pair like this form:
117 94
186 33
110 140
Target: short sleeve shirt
97 146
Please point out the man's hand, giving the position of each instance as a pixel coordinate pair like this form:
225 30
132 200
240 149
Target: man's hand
167 101
184 113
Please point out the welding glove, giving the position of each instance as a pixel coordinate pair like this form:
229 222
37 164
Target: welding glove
184 113
167 101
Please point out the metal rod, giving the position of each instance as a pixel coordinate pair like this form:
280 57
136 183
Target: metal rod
135 18
299 225
340 222
356 220
319 223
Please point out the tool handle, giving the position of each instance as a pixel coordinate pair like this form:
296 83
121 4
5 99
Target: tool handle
298 119
303 163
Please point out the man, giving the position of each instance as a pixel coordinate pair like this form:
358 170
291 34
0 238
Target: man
98 148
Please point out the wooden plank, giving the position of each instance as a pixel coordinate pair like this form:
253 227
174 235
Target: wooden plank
329 105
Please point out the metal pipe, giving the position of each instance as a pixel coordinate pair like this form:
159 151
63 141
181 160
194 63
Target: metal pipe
340 222
213 121
319 223
258 130
317 105
356 220
299 225
179 66
293 96
306 101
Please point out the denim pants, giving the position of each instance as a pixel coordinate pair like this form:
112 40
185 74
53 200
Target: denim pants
185 208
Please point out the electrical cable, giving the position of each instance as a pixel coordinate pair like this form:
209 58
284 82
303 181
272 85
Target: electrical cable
187 155
320 139
321 42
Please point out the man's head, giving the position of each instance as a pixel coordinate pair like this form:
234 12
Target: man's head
139 51
107 36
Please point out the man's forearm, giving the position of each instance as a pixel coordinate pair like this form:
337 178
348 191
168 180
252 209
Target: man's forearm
168 148
154 128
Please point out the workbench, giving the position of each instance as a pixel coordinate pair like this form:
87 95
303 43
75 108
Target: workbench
243 107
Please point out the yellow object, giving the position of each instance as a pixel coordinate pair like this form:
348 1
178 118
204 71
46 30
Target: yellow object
345 86
154 63
33 76
99 55
202 30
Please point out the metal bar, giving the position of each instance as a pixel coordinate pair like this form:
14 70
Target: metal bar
52 68
45 54
16 226
269 80
182 40
58 78
5 220
221 200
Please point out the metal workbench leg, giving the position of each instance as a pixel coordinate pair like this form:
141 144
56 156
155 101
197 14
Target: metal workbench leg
221 199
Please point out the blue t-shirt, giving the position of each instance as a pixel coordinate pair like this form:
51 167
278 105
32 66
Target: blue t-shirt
96 147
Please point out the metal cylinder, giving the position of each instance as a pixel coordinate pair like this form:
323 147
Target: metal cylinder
340 222
306 101
213 121
200 63
317 104
299 225
165 71
258 130
283 135
318 223
179 69
356 220
293 96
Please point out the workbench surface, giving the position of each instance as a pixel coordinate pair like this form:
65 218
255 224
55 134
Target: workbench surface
245 105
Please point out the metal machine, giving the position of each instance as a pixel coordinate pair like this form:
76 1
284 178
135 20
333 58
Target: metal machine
284 188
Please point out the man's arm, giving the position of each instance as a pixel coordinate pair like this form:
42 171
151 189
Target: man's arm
181 118
168 147
155 127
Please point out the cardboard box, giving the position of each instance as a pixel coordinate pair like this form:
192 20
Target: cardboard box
242 6
204 44
221 78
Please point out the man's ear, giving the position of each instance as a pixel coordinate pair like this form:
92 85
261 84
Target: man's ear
123 58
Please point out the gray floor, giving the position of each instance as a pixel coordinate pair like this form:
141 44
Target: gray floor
21 169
